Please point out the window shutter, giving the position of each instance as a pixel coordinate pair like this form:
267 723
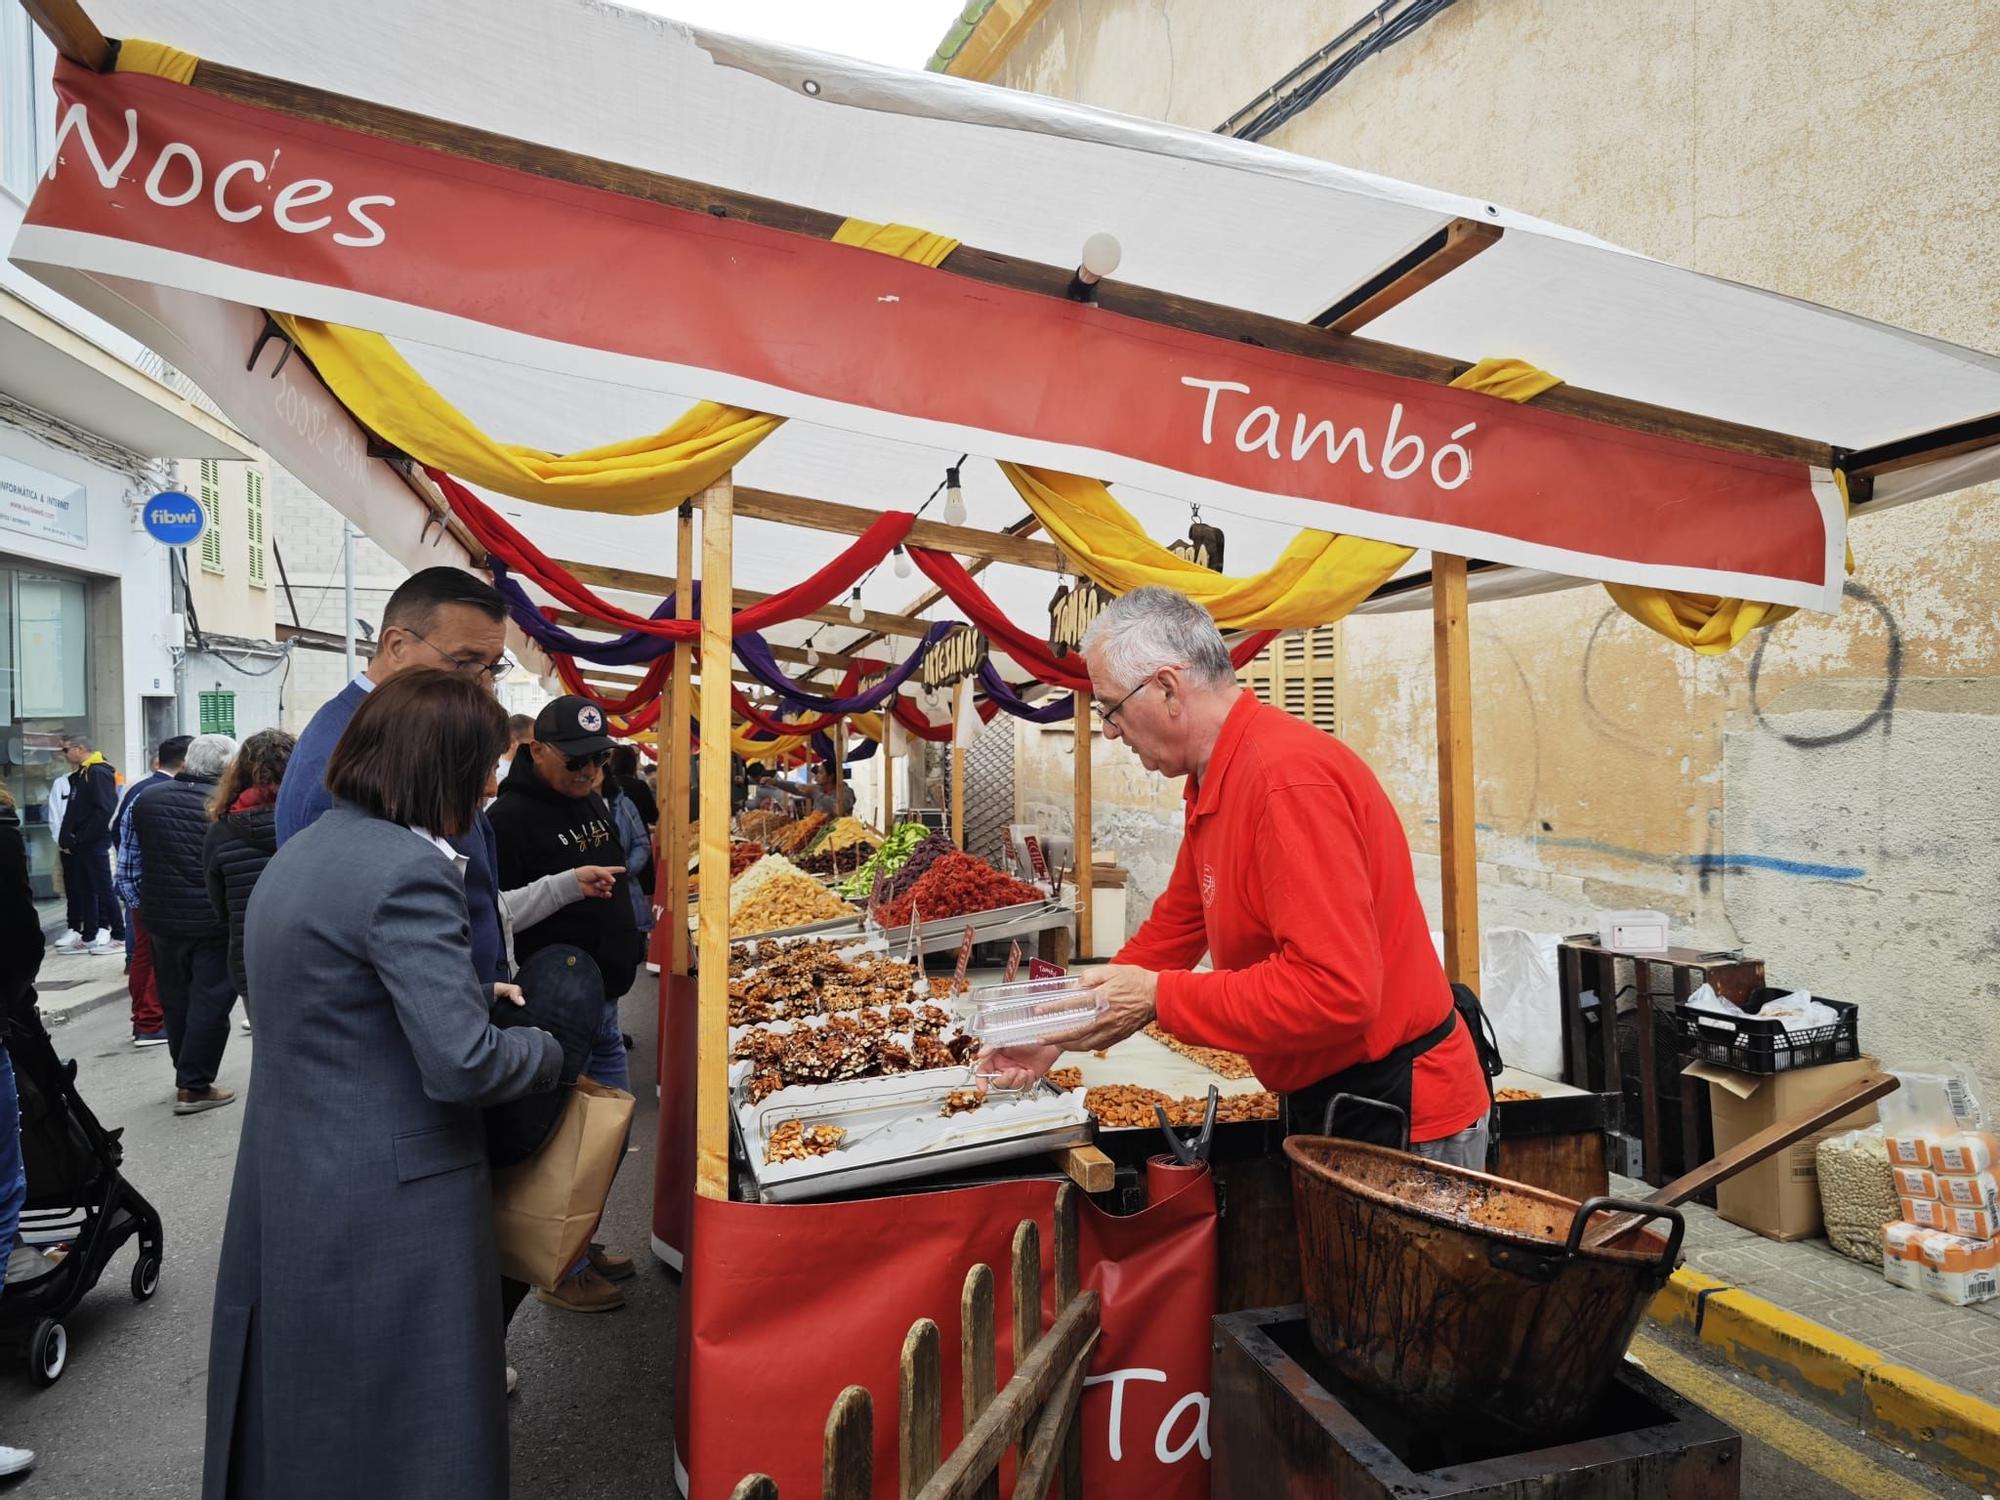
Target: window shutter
1300 673
218 713
254 526
210 494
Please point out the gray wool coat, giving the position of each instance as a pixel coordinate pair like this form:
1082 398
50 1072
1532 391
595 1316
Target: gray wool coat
356 1345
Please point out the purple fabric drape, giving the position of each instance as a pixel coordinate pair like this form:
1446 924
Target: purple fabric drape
1059 710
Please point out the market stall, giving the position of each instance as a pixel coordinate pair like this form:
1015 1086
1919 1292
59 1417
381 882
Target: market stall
499 334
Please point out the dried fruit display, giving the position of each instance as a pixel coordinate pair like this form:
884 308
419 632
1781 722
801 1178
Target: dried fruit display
793 1141
1126 1106
742 855
1065 1078
889 858
850 1045
943 987
1512 1096
956 885
761 823
770 867
791 980
935 846
961 1101
1225 1064
787 901
847 832
796 837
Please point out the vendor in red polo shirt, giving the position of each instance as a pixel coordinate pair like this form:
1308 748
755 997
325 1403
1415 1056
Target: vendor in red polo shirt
1294 878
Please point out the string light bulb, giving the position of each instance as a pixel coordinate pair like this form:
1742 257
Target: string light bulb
854 610
1101 254
812 655
954 498
902 563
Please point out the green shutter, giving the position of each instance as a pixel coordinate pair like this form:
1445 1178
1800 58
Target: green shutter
211 503
218 713
254 528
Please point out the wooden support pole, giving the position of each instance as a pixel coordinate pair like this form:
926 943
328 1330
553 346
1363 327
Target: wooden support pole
958 695
676 751
74 34
1458 850
1081 744
839 766
711 1128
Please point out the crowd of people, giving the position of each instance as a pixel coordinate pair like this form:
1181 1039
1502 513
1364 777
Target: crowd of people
414 1029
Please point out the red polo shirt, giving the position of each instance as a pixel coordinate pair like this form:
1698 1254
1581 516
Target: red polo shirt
1294 877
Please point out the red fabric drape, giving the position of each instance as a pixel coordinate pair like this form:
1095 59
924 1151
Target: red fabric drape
496 534
912 719
949 574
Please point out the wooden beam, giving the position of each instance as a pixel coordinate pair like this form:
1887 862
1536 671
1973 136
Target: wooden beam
985 266
958 696
1431 259
1080 745
711 1164
1458 852
73 33
677 751
852 520
1924 448
1087 1167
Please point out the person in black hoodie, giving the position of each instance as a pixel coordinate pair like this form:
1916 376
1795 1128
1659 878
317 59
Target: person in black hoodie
243 837
85 841
190 943
549 818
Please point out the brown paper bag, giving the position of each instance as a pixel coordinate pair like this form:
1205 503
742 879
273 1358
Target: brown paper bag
545 1208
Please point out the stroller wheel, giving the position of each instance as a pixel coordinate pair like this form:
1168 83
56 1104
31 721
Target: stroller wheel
48 1352
145 1275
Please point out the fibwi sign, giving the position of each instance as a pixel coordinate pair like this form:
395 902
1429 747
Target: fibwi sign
174 518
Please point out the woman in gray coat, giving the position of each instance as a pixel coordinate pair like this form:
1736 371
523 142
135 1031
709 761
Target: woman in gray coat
356 1345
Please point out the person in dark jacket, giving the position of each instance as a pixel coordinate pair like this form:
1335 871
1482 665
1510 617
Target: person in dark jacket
149 1022
355 1348
624 775
243 838
548 818
85 841
190 943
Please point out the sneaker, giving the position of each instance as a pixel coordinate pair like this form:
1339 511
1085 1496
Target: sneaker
585 1292
194 1101
15 1460
69 942
513 1379
150 1038
245 1024
104 944
610 1265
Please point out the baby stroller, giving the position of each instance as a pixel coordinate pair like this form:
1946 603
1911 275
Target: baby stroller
79 1208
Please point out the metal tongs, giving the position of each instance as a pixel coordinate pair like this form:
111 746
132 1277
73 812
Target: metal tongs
1192 1150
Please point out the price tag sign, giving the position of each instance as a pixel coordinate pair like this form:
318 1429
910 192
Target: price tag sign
1013 962
1041 968
964 960
1038 859
915 951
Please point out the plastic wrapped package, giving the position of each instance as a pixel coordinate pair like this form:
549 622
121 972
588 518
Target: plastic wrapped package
1857 1192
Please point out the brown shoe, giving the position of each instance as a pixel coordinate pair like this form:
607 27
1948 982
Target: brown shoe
194 1101
611 1265
585 1292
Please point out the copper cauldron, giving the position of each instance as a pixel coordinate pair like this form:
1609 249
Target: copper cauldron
1467 1299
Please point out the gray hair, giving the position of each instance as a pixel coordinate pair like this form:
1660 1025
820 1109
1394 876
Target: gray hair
1150 628
210 755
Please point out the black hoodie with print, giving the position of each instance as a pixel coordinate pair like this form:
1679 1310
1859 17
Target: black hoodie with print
540 831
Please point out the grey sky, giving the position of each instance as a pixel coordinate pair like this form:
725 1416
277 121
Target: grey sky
898 32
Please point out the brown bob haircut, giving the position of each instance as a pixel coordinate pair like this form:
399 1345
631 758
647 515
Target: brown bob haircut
419 749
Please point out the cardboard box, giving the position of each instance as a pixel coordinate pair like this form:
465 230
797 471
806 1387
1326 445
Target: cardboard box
1779 1197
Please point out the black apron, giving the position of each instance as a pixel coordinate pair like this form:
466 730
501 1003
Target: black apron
1386 1080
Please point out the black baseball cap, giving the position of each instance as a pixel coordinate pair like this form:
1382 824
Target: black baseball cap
575 726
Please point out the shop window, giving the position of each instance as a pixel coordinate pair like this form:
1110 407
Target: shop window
253 530
209 492
218 713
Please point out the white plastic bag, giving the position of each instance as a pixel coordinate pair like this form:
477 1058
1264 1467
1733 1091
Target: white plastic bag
1521 998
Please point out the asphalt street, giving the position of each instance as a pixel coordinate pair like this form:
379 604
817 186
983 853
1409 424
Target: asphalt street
592 1419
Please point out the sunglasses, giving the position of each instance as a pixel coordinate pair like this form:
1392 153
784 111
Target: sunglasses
575 763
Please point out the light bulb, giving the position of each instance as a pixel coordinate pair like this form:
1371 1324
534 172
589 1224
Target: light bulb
903 562
854 610
954 499
812 656
1101 255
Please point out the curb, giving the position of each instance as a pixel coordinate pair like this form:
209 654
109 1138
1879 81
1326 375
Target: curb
1943 1426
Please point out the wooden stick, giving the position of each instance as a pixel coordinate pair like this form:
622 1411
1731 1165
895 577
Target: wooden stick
1746 1154
1087 1167
677 747
1058 1420
847 1466
74 34
1458 851
958 693
1069 1286
920 1428
1027 1290
853 520
1435 257
1081 744
633 581
977 1361
712 1051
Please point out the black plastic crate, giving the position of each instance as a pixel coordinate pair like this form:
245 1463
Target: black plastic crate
1750 1044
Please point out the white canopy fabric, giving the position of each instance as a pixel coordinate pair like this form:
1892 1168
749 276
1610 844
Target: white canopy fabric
1197 215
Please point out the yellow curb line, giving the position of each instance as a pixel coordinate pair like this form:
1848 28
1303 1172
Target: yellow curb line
1957 1433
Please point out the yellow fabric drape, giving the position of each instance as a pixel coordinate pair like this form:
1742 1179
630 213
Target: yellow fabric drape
634 477
1318 578
137 55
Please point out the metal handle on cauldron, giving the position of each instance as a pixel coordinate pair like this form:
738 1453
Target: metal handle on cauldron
1591 1207
1333 1104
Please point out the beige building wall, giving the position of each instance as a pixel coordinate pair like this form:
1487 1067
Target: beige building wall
232 577
1827 797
